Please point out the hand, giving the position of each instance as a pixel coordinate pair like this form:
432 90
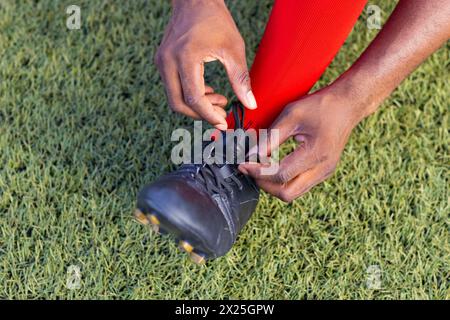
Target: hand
321 123
198 32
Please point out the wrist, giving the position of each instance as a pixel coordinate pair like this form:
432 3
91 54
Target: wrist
360 95
176 4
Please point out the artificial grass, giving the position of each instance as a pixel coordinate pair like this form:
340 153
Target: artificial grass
84 123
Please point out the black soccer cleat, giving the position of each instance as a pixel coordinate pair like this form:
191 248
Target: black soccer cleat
204 206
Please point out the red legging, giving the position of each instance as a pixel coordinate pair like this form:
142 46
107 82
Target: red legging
300 41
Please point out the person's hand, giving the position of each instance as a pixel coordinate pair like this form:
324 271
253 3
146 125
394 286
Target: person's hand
321 123
202 31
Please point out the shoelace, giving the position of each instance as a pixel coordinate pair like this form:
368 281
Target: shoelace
217 179
214 181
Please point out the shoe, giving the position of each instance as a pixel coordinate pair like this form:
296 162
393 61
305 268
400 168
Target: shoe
204 206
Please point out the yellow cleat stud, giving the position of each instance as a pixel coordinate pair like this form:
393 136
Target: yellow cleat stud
186 246
154 220
140 217
196 258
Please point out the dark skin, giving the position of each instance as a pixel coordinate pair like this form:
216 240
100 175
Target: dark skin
202 31
321 122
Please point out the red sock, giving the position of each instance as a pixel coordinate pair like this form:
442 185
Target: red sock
301 39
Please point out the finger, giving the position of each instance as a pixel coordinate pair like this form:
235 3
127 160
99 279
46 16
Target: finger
173 89
294 164
208 89
298 186
237 71
281 130
193 85
217 99
221 112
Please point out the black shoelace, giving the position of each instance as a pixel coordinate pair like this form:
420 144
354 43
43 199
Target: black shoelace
217 178
214 181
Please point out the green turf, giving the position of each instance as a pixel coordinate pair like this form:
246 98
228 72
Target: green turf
84 123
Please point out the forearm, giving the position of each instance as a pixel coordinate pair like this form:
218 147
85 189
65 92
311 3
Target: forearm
414 31
190 3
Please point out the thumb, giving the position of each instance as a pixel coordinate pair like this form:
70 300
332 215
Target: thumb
239 77
279 132
270 140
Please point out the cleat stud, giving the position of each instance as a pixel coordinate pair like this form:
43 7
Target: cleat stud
154 220
196 258
140 217
185 246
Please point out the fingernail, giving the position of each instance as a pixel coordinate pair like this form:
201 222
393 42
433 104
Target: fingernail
221 126
251 100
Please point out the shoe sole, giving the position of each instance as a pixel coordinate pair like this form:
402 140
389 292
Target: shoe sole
151 220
